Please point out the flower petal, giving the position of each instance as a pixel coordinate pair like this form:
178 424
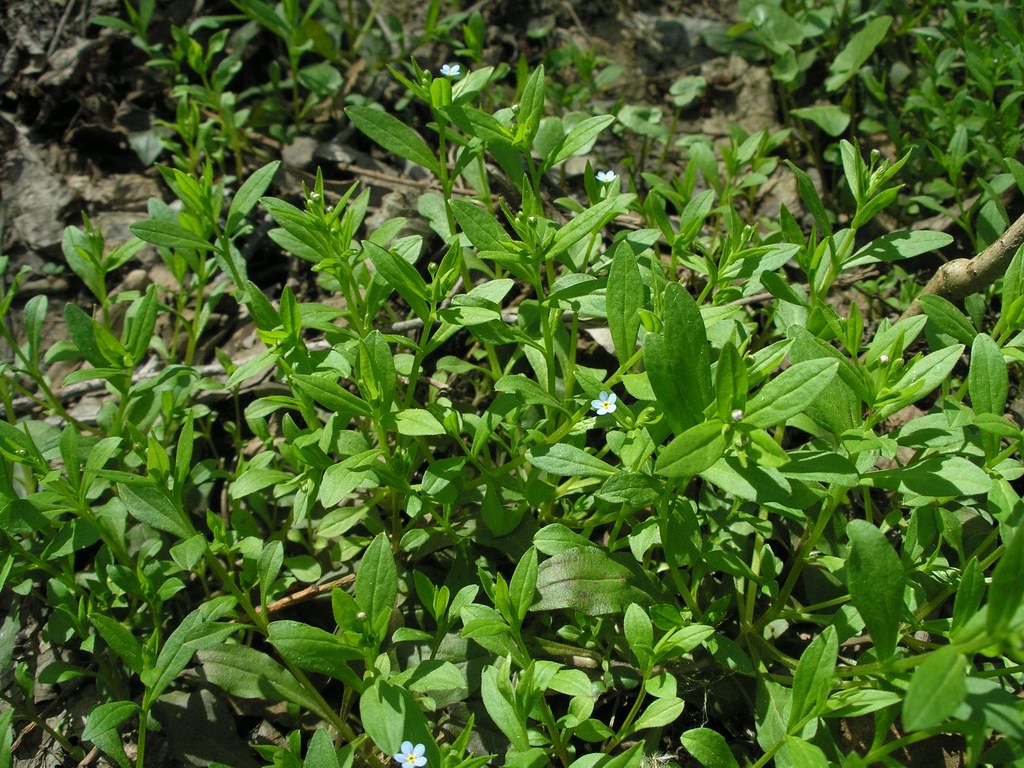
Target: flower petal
418 750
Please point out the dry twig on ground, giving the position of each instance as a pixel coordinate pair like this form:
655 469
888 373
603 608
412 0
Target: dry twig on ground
962 277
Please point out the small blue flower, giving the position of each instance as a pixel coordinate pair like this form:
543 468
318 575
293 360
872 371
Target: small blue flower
451 70
411 755
606 177
605 403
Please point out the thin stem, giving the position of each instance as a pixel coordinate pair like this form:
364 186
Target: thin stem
799 560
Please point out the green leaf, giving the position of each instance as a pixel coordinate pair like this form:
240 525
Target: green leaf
661 712
523 586
321 753
1013 280
254 479
120 640
857 51
394 135
988 380
811 199
418 422
936 689
780 288
313 649
82 330
693 216
167 234
1006 590
831 119
922 378
821 466
401 276
635 489
150 505
639 633
968 594
250 674
531 108
947 318
839 406
568 461
937 476
529 390
693 451
500 702
803 754
323 79
772 712
249 194
377 584
678 361
6 738
120 255
33 318
330 395
631 758
813 678
264 14
268 567
588 223
709 748
579 138
142 320
377 372
730 382
854 702
591 581
191 634
107 717
897 246
483 230
788 393
874 576
623 299
390 716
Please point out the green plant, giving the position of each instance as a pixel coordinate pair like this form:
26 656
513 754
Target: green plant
928 77
532 545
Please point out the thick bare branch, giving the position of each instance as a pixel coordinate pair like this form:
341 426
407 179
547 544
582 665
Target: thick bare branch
962 277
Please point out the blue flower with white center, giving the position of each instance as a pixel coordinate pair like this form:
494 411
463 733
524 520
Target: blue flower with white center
411 755
605 403
606 177
451 70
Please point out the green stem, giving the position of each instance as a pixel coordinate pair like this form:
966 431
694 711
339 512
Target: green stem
630 717
559 433
800 560
140 748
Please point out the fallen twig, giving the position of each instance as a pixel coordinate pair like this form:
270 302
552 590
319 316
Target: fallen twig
962 277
